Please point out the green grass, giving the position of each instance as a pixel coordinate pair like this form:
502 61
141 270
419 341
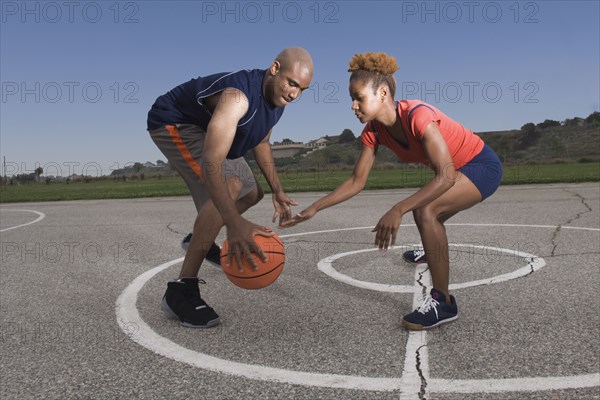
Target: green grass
101 189
293 181
403 177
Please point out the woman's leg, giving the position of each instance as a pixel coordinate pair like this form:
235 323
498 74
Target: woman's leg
430 222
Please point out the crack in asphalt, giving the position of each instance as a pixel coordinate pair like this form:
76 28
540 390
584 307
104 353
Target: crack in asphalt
421 376
173 230
554 238
419 281
530 261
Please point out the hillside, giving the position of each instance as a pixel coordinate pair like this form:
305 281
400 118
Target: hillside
556 144
539 144
551 145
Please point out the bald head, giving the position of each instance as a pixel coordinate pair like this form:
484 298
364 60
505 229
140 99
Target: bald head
295 56
289 74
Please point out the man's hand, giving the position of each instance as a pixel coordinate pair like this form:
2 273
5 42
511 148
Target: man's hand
240 239
300 217
283 207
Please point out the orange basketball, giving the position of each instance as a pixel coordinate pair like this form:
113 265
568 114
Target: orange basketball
266 273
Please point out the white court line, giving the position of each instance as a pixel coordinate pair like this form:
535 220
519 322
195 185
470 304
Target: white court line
40 217
532 384
326 266
579 228
410 382
446 224
533 264
128 316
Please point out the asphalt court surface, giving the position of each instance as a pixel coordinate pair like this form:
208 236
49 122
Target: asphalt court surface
81 284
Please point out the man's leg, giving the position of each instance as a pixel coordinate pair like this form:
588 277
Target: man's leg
207 226
250 199
182 299
182 145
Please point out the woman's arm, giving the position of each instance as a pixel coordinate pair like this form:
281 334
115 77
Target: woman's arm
439 156
345 191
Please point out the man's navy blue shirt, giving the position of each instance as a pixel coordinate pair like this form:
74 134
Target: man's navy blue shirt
185 105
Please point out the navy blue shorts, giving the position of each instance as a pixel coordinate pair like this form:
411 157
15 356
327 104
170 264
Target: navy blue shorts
485 171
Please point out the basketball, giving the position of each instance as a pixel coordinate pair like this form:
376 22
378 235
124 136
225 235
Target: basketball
266 273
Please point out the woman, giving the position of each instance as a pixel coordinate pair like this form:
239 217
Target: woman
467 171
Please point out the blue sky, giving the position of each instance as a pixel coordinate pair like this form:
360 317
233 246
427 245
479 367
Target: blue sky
78 78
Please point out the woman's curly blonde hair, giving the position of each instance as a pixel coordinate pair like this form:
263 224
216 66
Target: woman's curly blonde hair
376 68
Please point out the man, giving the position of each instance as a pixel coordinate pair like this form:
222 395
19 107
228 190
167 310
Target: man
204 127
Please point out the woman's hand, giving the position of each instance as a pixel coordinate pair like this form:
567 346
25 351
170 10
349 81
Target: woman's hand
386 229
300 217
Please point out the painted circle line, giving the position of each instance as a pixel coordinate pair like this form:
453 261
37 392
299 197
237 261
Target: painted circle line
40 217
147 337
128 316
533 264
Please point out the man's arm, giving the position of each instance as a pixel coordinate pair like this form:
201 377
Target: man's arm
230 108
264 158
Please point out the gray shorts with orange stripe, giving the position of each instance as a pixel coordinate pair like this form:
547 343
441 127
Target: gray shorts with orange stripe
182 145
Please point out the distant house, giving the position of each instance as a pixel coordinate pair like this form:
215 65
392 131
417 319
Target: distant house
286 148
286 142
289 148
323 141
317 143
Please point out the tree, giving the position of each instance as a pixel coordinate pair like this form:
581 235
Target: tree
528 128
347 136
573 122
529 137
548 124
593 117
38 172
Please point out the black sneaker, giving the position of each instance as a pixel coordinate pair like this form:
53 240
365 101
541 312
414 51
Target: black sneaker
434 311
182 301
185 243
415 257
214 253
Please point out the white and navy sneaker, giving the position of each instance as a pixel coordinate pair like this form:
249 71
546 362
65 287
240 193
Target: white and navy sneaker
415 257
433 312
